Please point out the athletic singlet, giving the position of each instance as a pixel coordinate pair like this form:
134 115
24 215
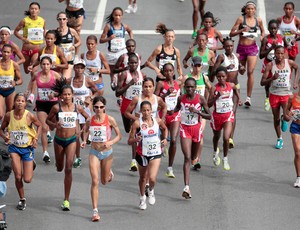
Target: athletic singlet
150 145
20 133
171 99
118 43
200 84
154 106
76 4
66 42
100 132
92 63
295 109
281 85
34 30
163 58
227 62
80 93
212 41
7 76
187 117
285 29
204 58
125 61
67 119
134 89
13 54
271 54
252 33
53 56
224 104
44 88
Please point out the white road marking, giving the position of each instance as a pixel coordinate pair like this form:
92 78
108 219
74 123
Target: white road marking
261 12
100 14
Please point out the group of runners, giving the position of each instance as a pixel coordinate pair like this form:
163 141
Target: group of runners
69 94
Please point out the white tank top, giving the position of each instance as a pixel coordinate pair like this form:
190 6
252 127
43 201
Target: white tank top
92 63
80 93
154 106
134 89
281 86
227 62
285 29
76 3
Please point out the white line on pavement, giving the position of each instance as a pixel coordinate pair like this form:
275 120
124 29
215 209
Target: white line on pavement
261 12
99 18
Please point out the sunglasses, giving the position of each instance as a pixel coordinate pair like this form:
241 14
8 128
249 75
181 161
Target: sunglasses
61 19
99 107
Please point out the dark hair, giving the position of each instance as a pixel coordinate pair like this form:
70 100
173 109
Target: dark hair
190 79
162 29
19 95
273 21
145 103
198 35
289 3
61 12
110 17
99 98
278 47
221 69
208 14
27 12
54 32
132 55
148 79
46 57
131 40
243 10
7 45
163 69
227 39
92 37
61 85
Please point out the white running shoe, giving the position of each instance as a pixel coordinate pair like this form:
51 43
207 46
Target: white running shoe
46 157
151 197
134 8
129 9
297 183
186 193
30 98
143 204
226 165
216 158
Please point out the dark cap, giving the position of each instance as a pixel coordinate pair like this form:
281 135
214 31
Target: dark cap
197 60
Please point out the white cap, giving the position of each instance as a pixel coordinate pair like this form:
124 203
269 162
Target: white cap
79 61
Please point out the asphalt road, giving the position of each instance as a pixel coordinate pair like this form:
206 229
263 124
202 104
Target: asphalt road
257 193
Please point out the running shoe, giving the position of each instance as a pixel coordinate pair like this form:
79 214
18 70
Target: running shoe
151 197
49 138
30 98
197 166
113 86
186 193
77 162
284 124
34 165
143 204
95 216
119 101
267 104
170 173
226 165
279 143
297 183
165 151
65 206
216 158
247 102
22 204
133 166
134 8
194 34
231 143
46 157
111 176
129 9
147 190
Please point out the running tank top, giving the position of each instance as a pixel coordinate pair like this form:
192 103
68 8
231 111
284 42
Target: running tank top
92 63
227 62
204 58
134 89
53 56
67 119
187 117
150 145
164 58
76 4
80 93
212 41
7 76
200 84
271 54
34 30
125 61
100 132
224 104
286 28
252 33
171 99
281 85
66 42
44 88
12 56
21 134
118 43
154 106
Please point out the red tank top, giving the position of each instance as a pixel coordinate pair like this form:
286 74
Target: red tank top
100 132
187 117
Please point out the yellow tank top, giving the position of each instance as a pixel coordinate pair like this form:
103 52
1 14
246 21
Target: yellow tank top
7 76
34 30
20 133
53 56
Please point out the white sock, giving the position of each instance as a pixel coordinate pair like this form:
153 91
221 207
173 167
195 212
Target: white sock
187 187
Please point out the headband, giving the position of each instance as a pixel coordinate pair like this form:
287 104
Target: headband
5 28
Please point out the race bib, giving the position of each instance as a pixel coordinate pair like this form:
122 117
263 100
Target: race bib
91 75
162 62
117 44
52 56
44 94
35 34
133 91
98 133
296 114
67 119
69 54
151 148
189 118
19 138
171 101
224 105
200 89
79 100
282 81
6 82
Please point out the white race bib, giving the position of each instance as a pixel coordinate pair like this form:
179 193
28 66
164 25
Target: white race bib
162 62
133 91
79 100
151 148
224 105
35 34
44 94
19 138
171 101
282 81
67 119
296 114
98 133
200 89
189 118
117 44
6 82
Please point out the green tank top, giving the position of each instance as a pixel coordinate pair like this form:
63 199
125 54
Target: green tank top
205 66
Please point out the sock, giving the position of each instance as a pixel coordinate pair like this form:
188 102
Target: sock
186 187
170 168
